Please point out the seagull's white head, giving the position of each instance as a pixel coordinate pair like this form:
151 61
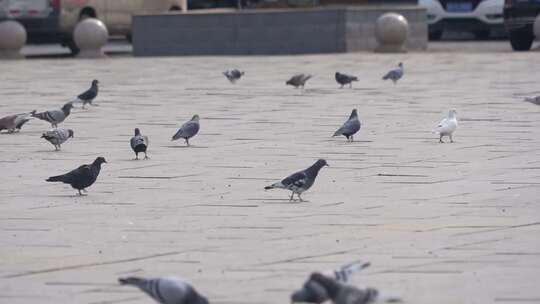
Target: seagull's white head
452 113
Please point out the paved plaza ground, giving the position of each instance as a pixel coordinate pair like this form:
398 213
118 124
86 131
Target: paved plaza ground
440 223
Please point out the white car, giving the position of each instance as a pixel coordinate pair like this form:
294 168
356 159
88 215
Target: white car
477 16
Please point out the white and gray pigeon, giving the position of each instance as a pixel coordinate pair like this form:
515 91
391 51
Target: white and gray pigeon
350 127
57 136
344 79
299 80
233 75
447 126
166 290
55 116
394 74
15 122
188 129
89 95
313 292
300 181
139 144
341 293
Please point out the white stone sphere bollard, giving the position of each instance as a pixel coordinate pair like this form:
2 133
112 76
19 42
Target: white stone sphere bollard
12 39
90 36
391 31
536 27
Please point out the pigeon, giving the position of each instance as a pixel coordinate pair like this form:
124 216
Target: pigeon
535 100
88 96
313 292
447 126
82 177
55 116
15 122
188 130
57 136
300 181
298 80
167 290
341 293
139 143
344 79
350 127
394 74
233 75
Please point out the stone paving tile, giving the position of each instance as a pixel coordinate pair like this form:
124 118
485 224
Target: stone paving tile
445 223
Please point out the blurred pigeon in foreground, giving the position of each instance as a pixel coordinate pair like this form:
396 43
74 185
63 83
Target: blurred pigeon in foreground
57 136
298 80
447 126
55 116
344 79
233 75
82 177
15 122
344 294
394 74
139 143
313 292
300 181
535 100
167 290
188 130
350 127
88 96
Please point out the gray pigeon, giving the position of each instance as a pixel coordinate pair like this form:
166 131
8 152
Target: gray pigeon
188 130
350 127
300 181
344 294
89 95
167 290
313 292
82 177
394 74
15 122
139 143
55 116
535 100
298 80
57 136
233 75
344 79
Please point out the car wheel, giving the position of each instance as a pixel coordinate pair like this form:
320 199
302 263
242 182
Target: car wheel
482 35
435 35
521 40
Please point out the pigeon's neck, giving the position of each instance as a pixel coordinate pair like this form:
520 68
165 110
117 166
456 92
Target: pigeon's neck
353 116
66 110
331 286
313 170
451 115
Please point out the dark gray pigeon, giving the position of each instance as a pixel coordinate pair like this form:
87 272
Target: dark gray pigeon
344 294
233 75
350 127
313 292
394 74
15 122
188 130
300 181
139 144
167 290
82 177
89 95
298 80
55 116
344 79
57 136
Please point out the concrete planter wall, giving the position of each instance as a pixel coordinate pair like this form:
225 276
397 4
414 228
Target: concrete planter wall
270 32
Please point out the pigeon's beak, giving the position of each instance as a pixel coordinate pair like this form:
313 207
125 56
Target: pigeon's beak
327 165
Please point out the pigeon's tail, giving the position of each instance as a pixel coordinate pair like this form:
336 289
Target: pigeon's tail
275 185
269 187
58 178
387 76
337 133
345 272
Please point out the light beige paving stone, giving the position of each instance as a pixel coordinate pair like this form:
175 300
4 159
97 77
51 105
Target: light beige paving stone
441 223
